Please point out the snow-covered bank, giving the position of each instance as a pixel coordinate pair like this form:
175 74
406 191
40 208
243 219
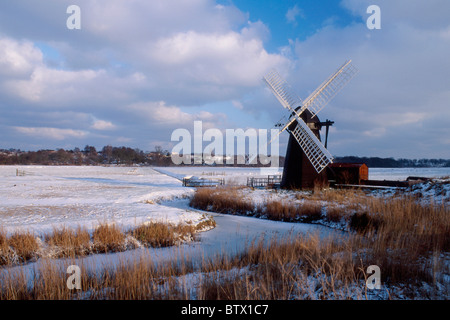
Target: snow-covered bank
52 197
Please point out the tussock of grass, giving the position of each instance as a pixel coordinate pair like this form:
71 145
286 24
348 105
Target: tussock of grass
154 234
24 245
335 214
6 254
205 224
69 243
3 240
288 211
108 238
363 222
289 269
222 200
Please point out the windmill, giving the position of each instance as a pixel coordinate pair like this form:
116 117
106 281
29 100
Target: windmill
306 156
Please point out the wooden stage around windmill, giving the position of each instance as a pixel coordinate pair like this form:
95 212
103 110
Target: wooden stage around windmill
341 175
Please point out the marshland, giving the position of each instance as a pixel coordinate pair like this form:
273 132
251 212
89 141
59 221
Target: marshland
137 233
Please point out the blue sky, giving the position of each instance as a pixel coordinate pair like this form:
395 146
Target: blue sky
138 70
294 19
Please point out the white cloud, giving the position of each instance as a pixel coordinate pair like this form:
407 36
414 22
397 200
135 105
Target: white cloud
237 104
198 50
376 132
18 58
160 114
24 75
52 85
293 13
103 125
51 133
229 59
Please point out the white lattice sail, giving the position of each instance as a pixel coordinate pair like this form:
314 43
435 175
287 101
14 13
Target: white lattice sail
329 88
314 150
282 91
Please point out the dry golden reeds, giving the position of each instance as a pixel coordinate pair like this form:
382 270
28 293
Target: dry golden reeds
65 242
222 200
68 242
296 267
108 238
24 245
154 234
407 239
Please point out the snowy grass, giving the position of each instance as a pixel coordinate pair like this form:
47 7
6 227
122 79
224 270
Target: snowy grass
296 267
222 200
23 247
157 234
409 239
67 242
108 238
17 248
285 210
274 270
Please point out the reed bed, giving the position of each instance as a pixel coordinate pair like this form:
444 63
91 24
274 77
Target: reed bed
222 200
296 267
23 247
407 239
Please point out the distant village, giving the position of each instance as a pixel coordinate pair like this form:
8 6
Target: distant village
110 155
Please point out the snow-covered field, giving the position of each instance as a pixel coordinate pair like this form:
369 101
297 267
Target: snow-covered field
403 173
48 197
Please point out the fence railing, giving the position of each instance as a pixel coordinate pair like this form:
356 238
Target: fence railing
21 173
211 182
272 181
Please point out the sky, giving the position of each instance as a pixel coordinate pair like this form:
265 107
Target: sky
137 70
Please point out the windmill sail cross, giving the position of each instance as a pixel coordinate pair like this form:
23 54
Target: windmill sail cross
310 144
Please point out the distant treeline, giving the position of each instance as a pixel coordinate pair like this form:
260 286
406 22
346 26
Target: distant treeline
88 156
159 157
375 162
